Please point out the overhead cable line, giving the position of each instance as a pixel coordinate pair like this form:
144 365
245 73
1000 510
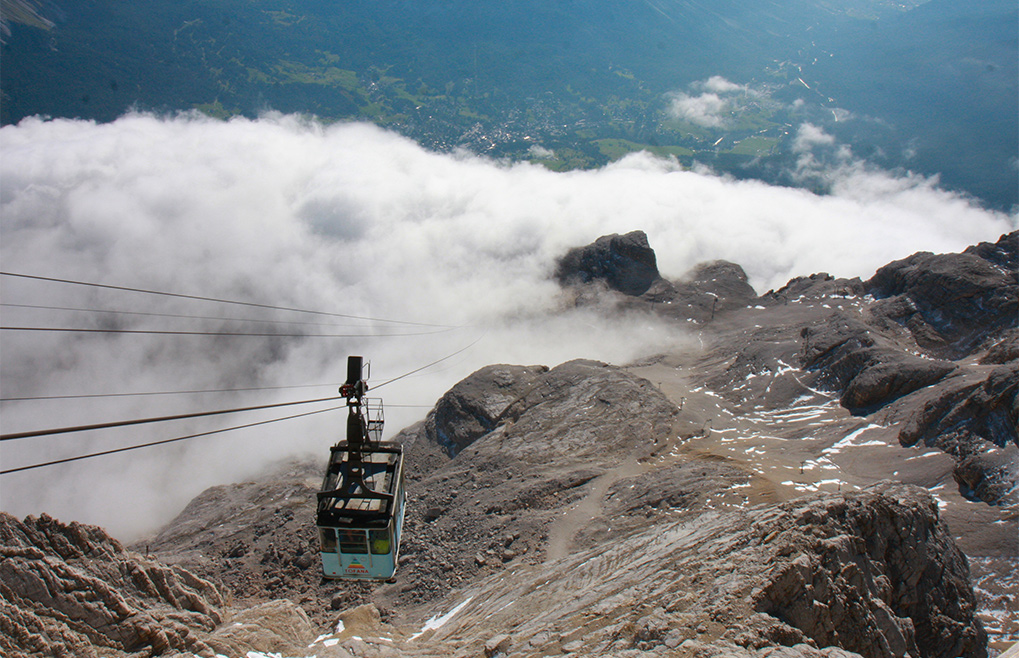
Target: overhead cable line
226 429
80 396
148 393
249 334
141 421
177 315
211 299
164 441
449 356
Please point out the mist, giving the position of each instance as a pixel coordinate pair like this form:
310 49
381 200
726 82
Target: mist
439 257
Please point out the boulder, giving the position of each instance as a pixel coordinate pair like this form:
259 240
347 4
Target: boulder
625 263
473 406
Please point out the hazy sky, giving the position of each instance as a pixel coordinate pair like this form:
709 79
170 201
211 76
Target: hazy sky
354 220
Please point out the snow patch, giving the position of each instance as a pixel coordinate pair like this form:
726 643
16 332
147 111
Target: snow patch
814 487
437 622
848 441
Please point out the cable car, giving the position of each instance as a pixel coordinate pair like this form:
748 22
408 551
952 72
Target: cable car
361 505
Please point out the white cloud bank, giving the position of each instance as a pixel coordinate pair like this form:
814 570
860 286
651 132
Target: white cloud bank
353 220
711 104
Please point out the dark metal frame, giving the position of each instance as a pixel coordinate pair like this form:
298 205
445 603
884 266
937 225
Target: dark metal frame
346 500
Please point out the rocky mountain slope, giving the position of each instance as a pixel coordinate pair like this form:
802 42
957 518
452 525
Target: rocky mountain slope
832 473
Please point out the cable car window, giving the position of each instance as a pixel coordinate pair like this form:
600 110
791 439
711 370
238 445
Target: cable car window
353 541
328 539
380 541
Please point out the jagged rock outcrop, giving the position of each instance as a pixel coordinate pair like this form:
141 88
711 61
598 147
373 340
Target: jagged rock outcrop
875 573
864 366
72 590
625 263
952 302
258 539
627 266
473 407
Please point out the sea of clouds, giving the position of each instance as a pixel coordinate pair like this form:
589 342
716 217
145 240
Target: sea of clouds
442 251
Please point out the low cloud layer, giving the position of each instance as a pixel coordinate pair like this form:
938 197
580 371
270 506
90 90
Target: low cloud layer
353 220
711 102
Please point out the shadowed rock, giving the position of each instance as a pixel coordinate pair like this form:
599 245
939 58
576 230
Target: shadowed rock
470 409
1005 350
952 302
625 263
863 365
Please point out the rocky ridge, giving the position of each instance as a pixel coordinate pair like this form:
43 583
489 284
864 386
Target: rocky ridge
72 590
651 510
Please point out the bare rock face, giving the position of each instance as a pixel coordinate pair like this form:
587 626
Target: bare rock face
873 573
952 302
489 506
984 408
72 590
879 575
704 291
864 365
1005 350
625 266
257 539
968 410
815 286
975 420
473 407
625 263
276 626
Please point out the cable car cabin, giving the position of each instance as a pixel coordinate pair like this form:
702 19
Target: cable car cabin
359 526
361 505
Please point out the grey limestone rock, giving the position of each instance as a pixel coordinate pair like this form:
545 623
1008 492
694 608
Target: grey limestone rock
473 406
72 590
952 302
625 263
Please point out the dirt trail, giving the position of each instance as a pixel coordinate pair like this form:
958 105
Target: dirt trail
562 531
